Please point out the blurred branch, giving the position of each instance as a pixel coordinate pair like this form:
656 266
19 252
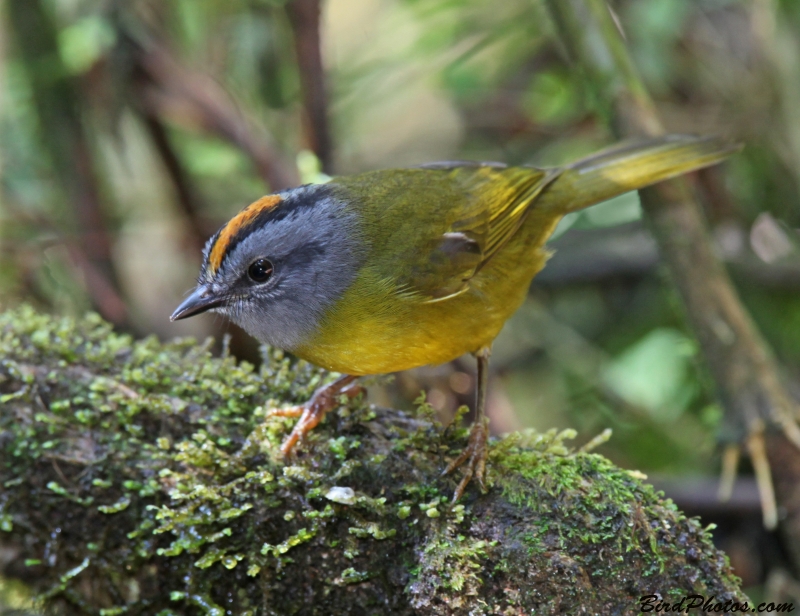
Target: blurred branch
188 199
745 373
104 297
59 109
304 15
102 293
785 465
698 495
172 92
595 255
591 255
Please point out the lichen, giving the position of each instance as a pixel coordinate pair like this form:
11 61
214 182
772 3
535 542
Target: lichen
145 477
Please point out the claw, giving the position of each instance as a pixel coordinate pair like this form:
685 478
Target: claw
325 399
474 455
292 411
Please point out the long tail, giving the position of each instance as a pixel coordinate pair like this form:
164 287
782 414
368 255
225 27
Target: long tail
631 166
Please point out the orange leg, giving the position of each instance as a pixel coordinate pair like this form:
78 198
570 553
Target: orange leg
476 451
325 399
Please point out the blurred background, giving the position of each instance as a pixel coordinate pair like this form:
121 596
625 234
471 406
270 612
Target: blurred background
130 130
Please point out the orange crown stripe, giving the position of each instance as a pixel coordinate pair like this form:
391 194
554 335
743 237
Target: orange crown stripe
237 223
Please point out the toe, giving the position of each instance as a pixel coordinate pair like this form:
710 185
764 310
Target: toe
292 411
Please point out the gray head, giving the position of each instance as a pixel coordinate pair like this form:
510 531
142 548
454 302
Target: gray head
277 265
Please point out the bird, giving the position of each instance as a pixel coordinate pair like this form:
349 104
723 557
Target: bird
392 269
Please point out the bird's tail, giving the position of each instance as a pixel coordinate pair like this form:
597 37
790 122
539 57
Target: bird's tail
631 166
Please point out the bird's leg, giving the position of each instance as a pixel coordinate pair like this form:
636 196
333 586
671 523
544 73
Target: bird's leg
325 399
476 451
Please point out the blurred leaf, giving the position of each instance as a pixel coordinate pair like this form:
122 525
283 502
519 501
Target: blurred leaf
211 157
657 24
82 43
711 415
552 98
617 211
262 56
655 373
310 168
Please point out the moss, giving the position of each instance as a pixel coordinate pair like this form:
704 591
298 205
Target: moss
457 561
142 477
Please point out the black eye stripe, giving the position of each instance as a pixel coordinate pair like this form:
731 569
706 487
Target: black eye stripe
295 200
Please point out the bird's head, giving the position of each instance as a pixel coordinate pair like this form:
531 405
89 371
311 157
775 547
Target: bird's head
279 264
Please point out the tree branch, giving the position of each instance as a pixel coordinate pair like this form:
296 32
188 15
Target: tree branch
304 16
187 197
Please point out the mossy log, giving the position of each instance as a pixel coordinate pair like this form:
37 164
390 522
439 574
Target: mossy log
144 478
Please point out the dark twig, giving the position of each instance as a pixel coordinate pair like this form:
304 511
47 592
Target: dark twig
698 496
188 199
743 369
304 16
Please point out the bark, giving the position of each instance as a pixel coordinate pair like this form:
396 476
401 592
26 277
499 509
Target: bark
141 477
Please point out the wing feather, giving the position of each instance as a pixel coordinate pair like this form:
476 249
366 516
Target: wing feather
496 200
443 221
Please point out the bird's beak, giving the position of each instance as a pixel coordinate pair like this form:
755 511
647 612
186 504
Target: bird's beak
201 299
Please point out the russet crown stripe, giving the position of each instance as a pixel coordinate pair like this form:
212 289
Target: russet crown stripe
236 224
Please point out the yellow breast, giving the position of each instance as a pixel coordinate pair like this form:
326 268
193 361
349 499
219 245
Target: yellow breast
374 330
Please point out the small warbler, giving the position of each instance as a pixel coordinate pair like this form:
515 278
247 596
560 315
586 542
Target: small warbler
388 270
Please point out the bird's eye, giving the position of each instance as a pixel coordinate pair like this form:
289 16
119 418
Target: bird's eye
260 270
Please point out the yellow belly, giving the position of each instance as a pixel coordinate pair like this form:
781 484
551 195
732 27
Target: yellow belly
372 330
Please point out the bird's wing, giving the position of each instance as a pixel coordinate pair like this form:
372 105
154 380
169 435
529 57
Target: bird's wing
432 228
444 221
495 204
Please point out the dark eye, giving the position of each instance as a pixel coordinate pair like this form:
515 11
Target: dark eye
260 270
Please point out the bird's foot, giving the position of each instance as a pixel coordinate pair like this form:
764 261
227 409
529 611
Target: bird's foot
474 455
325 399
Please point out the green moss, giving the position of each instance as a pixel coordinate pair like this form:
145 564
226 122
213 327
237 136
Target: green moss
160 464
607 504
457 560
